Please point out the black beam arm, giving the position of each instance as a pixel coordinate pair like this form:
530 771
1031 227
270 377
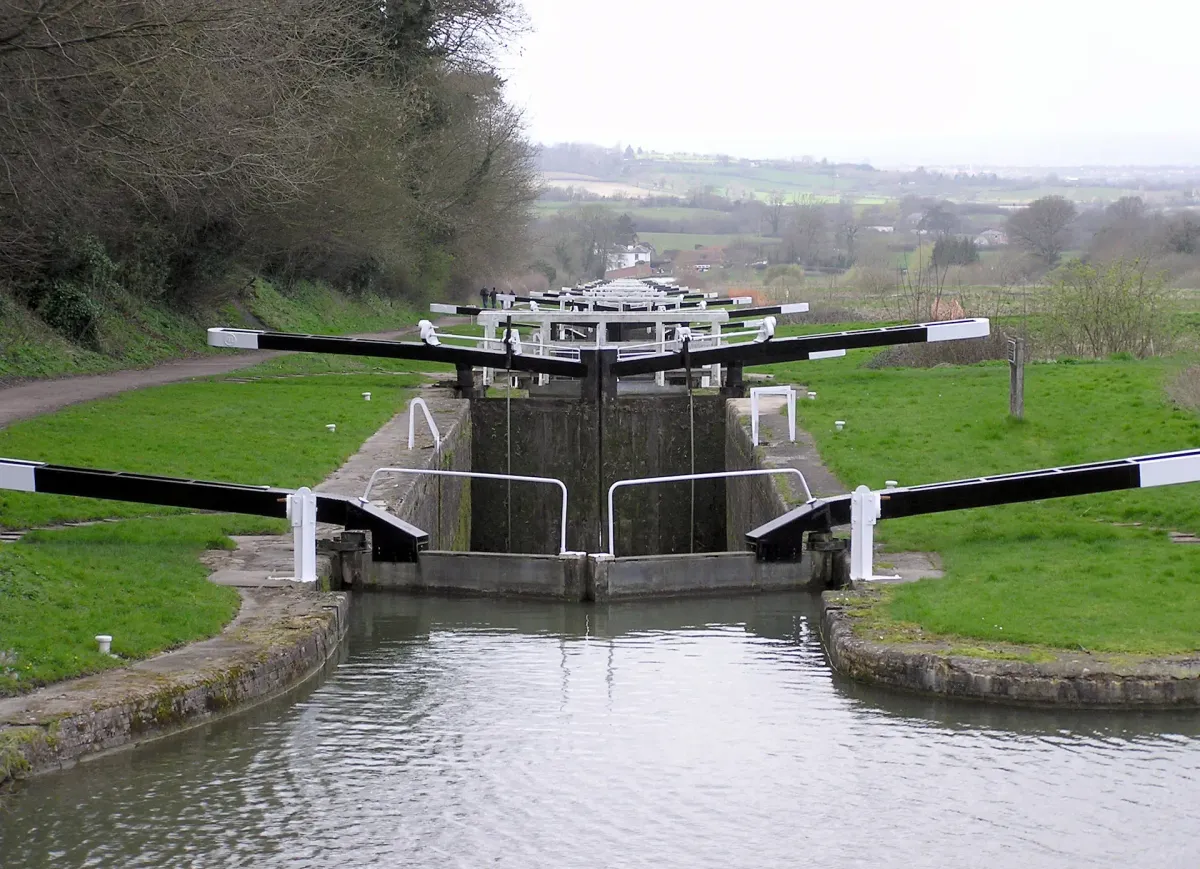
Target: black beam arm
392 538
794 349
783 533
248 339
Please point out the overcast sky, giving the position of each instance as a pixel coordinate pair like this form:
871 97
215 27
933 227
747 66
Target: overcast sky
1006 82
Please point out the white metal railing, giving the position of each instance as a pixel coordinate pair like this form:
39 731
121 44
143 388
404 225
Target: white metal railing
562 541
412 423
683 478
789 394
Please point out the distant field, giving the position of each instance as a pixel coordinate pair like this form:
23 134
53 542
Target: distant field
688 240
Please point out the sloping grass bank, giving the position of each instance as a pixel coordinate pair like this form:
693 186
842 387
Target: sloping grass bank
134 334
1096 571
139 580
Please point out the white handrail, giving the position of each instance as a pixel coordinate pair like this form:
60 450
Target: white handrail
366 496
789 394
412 419
683 478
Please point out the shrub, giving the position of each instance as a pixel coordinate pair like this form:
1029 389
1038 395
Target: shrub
1185 389
1118 307
72 312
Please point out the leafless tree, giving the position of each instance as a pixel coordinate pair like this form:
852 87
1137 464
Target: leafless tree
1041 227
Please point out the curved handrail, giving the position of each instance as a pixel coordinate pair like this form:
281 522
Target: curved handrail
412 420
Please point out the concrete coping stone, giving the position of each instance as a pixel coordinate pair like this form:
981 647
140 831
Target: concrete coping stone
1069 679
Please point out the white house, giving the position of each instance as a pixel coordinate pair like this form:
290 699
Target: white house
625 256
991 238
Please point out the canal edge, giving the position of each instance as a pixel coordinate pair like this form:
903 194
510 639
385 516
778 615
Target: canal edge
280 639
1070 680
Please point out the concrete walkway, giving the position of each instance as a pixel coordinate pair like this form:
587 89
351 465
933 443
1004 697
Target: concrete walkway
46 396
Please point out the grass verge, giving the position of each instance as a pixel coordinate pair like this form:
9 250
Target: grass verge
1096 571
139 581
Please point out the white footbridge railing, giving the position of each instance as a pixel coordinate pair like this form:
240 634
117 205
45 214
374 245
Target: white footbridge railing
683 478
562 537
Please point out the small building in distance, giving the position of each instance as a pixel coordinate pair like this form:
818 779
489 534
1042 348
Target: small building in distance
699 259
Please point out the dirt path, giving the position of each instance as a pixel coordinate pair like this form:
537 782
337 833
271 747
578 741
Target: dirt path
45 396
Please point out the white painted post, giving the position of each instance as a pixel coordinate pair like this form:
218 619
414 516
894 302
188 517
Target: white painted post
302 513
714 375
865 507
489 332
754 416
660 335
543 379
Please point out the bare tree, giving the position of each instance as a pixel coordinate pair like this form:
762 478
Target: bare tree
775 205
1041 227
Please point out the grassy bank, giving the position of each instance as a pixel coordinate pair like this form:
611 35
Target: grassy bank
1096 571
132 333
139 579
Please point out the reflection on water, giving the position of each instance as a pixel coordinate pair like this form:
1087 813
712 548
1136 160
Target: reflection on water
673 734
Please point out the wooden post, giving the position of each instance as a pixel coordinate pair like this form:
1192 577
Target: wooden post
1016 377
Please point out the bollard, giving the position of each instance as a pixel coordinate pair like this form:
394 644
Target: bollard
302 513
105 642
331 427
366 396
839 424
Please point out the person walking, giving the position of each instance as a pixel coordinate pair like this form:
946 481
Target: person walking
483 297
494 304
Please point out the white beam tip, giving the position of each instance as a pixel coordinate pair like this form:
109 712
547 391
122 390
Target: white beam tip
826 354
239 339
794 308
439 308
958 330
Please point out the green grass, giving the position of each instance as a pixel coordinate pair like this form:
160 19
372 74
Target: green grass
266 432
1057 572
138 581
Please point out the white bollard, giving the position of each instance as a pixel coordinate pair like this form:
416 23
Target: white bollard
105 642
812 396
302 513
891 484
839 424
865 507
366 396
331 427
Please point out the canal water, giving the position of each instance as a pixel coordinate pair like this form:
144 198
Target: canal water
675 734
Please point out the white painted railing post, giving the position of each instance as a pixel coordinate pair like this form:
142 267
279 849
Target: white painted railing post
302 513
865 508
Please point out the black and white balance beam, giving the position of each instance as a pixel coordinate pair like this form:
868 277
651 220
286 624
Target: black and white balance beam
392 539
781 538
466 357
807 347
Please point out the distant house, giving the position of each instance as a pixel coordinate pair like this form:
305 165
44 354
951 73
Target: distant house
991 238
625 256
881 228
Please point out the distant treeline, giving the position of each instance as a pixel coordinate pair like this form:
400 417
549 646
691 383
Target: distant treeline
154 145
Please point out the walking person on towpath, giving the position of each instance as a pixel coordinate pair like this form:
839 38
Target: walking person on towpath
483 297
494 305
